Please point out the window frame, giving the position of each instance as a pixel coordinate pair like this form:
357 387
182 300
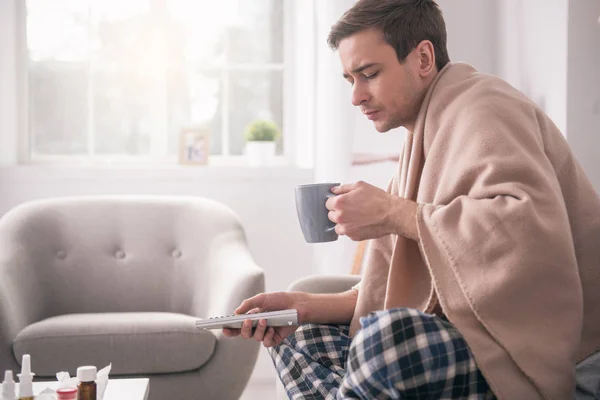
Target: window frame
26 155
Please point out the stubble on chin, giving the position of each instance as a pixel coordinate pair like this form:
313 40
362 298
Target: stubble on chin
386 126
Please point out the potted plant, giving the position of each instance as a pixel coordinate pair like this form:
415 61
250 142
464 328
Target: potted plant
260 136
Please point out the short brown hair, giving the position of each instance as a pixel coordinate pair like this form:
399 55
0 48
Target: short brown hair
404 23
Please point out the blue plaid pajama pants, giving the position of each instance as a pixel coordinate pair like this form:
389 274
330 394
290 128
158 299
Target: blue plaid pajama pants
398 354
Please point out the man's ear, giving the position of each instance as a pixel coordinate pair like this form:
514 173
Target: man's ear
426 54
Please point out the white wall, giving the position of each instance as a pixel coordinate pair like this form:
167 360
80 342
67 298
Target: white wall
472 32
532 52
583 98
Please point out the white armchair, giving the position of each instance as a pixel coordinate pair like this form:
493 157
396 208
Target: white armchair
121 279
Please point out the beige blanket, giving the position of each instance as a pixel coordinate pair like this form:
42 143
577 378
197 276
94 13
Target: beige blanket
509 236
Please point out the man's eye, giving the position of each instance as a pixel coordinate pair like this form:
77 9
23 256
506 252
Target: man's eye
372 75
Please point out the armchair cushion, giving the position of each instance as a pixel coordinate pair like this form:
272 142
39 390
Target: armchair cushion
135 343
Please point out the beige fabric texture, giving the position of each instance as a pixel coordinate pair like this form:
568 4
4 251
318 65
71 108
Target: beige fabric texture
509 236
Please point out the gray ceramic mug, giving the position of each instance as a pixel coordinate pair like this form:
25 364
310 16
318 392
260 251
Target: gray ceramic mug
312 213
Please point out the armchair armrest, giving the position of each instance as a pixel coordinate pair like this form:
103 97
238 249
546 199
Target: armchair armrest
21 298
324 283
233 275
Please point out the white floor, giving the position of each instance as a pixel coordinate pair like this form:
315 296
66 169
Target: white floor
262 382
259 390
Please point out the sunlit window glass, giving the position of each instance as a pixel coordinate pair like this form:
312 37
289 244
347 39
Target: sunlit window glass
116 77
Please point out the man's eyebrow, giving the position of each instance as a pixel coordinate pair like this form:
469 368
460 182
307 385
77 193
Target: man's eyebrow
359 69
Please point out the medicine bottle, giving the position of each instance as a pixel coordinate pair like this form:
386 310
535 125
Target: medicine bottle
66 393
86 388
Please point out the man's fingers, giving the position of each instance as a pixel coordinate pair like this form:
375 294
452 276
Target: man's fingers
268 339
277 339
259 332
337 201
246 330
343 188
251 303
333 216
228 332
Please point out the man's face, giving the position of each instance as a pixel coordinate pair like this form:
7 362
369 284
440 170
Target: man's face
388 93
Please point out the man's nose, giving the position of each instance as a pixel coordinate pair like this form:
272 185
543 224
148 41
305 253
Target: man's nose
359 94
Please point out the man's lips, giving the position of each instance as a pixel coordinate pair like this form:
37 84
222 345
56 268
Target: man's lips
371 114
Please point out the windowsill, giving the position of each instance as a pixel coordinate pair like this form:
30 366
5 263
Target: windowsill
224 171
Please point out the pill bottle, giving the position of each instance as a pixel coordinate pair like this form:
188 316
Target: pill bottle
86 388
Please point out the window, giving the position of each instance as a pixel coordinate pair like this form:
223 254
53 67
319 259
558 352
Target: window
111 79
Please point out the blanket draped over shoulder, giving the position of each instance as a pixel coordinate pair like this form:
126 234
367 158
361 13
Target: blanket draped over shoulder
509 236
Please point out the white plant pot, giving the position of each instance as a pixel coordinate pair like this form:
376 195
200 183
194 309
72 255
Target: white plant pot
260 154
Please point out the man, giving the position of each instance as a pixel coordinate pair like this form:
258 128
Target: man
484 264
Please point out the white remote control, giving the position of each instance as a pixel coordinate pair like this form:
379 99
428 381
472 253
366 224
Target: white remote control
274 318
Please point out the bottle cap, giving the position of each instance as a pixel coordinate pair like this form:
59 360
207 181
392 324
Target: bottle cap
26 364
67 390
67 393
8 386
86 374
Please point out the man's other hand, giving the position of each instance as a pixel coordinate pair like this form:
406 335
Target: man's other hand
362 211
269 336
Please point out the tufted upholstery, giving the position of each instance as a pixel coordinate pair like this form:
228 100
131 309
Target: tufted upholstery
90 280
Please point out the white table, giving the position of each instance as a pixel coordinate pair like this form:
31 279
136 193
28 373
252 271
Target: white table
127 389
117 389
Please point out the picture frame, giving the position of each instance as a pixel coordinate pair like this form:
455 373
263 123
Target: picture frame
194 146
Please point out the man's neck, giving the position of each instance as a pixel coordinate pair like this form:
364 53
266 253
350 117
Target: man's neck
410 127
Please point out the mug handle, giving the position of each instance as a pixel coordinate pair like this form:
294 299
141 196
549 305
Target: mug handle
328 196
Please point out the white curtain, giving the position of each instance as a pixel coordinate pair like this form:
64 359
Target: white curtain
334 127
9 122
